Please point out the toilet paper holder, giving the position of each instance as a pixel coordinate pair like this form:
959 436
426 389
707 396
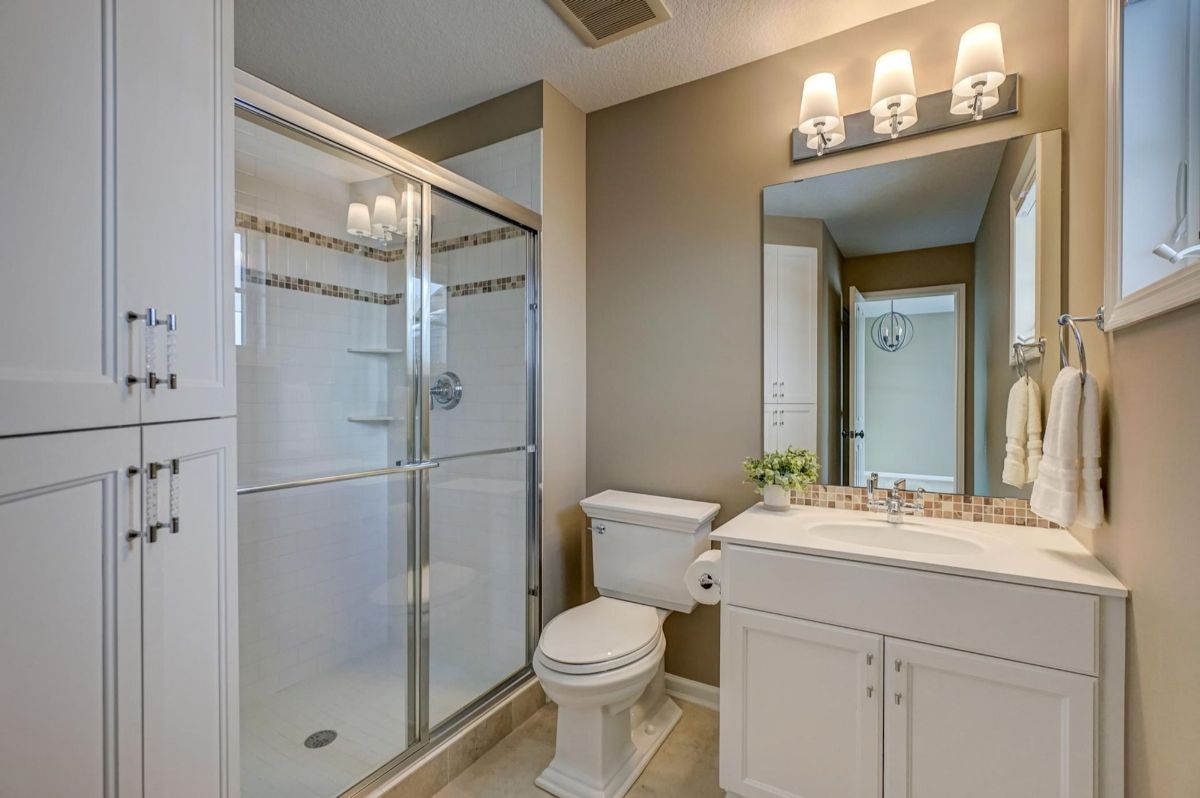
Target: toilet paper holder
707 581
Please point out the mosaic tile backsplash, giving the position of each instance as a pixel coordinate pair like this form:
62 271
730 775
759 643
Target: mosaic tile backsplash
1014 512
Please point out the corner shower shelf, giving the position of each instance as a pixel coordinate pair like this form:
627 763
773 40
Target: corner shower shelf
374 350
371 419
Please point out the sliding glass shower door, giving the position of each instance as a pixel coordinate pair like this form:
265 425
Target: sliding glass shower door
385 435
478 364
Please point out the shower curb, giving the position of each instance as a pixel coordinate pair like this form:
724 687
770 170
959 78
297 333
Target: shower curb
438 767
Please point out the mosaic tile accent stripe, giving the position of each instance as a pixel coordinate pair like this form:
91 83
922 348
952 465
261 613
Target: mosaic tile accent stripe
486 286
249 221
477 239
272 280
1014 512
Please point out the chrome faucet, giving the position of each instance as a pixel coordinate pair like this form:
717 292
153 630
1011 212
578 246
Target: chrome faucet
894 505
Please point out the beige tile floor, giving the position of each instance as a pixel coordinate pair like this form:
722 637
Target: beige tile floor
685 766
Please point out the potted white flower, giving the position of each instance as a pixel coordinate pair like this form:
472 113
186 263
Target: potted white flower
776 474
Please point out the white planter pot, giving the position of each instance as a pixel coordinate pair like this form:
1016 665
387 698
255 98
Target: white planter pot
776 497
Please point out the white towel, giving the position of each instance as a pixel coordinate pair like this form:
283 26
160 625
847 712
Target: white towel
1016 431
1033 429
1056 490
1091 500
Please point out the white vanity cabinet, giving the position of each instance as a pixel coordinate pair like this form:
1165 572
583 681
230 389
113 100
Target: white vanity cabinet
118 632
110 208
844 675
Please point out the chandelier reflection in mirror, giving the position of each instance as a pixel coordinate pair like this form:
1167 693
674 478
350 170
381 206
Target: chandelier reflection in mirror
892 331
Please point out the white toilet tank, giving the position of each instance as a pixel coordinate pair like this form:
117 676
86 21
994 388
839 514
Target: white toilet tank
641 545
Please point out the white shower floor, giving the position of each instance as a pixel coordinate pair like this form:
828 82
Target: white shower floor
364 701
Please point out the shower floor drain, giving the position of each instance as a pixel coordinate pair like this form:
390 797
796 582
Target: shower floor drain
320 739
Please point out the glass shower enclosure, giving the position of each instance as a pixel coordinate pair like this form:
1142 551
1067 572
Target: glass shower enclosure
386 331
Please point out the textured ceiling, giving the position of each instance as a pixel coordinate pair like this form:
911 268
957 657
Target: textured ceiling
932 201
392 65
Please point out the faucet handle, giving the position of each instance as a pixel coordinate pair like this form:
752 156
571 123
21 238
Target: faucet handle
899 484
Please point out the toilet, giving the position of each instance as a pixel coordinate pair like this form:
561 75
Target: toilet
602 662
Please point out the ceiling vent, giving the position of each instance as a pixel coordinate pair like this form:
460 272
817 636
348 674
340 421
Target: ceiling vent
599 22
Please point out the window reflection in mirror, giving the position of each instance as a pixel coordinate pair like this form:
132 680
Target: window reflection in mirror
892 295
1160 155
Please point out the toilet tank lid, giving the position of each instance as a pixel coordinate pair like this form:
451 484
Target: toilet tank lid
683 515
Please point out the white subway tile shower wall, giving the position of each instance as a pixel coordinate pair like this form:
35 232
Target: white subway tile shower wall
511 168
314 578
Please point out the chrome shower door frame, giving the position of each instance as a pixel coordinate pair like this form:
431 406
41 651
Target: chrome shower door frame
266 100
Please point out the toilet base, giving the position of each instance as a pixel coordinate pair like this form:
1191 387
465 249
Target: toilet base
646 738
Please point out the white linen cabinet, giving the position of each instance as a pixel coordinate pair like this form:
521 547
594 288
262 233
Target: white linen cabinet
117 624
112 206
790 309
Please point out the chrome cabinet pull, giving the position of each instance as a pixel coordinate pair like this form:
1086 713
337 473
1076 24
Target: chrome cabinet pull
152 380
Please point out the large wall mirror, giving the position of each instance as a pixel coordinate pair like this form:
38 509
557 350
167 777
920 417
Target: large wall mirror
1154 159
892 297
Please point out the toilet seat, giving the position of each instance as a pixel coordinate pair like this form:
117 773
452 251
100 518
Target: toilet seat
599 636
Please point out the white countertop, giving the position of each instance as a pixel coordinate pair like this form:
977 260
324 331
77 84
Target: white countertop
1022 555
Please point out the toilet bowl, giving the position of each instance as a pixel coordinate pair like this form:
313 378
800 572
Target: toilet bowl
602 663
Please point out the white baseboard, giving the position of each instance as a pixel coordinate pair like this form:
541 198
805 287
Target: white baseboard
698 693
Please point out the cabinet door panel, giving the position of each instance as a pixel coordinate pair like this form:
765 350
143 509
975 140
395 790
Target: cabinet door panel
797 325
69 616
173 213
797 426
984 727
188 617
64 355
800 708
770 323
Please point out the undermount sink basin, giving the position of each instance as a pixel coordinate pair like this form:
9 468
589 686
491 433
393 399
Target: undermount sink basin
908 536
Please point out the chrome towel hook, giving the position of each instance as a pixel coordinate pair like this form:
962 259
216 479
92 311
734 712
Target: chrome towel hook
1067 320
1019 349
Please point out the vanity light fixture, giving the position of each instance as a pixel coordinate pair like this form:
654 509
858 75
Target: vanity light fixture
979 68
819 113
381 225
358 220
894 93
981 91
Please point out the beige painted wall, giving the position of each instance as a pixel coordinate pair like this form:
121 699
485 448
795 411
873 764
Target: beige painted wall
674 251
1150 380
917 268
497 119
564 343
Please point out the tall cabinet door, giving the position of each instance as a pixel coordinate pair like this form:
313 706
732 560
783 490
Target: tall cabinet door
797 325
963 724
771 322
189 615
173 198
801 708
64 355
69 615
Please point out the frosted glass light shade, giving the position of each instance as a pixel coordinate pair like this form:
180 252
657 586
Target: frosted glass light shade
833 136
966 105
894 84
883 124
980 64
358 219
385 213
819 103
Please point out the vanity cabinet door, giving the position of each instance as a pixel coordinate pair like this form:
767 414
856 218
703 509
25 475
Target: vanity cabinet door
960 724
801 708
189 619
